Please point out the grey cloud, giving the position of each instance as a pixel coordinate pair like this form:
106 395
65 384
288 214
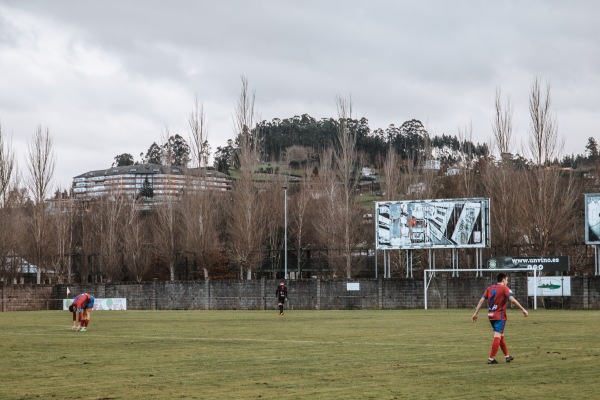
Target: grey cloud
437 61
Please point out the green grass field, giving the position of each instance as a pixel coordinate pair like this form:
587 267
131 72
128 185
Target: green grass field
414 354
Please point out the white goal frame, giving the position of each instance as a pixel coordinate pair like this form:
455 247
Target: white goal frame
427 279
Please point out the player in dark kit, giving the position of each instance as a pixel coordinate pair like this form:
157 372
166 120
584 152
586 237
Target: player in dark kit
281 295
497 297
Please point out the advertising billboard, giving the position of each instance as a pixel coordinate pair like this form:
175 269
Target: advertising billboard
592 218
543 264
426 224
102 304
549 286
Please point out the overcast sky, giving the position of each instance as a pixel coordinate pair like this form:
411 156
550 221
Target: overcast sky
109 77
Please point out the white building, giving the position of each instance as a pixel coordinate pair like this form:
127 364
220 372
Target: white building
432 164
166 182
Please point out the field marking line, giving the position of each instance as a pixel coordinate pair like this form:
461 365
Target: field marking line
251 340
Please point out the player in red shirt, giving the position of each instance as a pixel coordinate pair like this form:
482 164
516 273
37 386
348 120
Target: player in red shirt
497 297
82 304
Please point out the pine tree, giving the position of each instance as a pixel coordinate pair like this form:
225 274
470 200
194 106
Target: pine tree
146 190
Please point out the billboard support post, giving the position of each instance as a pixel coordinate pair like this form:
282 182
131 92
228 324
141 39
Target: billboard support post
431 259
386 270
535 289
376 252
596 260
385 264
454 263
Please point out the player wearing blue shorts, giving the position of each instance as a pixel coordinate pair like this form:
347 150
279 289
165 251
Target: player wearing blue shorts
83 304
497 297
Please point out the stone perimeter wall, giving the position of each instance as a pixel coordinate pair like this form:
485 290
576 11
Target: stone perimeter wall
314 294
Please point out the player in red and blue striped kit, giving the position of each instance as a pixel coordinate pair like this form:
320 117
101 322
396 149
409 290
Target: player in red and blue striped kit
497 297
82 306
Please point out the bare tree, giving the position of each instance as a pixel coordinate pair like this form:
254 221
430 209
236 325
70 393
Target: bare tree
392 185
111 214
299 216
246 229
200 149
502 182
201 217
166 222
339 223
502 127
468 184
87 228
550 199
7 214
14 241
63 219
165 228
347 169
7 165
273 198
244 121
425 188
166 233
327 224
504 186
402 181
137 241
543 139
549 195
40 165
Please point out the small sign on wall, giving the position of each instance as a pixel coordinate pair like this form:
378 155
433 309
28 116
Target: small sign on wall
352 286
549 286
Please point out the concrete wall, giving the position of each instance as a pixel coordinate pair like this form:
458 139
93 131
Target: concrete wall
28 297
313 294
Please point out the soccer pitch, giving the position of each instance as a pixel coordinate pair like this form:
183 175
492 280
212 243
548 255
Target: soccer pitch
382 354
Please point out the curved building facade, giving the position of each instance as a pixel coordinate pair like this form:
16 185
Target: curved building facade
165 182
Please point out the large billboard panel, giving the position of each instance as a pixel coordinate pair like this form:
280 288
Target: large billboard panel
542 264
425 224
592 218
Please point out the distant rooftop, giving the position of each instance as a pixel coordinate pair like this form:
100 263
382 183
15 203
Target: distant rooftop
145 169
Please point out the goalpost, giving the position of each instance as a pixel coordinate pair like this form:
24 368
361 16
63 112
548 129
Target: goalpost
429 273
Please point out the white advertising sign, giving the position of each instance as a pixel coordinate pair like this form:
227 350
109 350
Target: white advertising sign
549 286
112 304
